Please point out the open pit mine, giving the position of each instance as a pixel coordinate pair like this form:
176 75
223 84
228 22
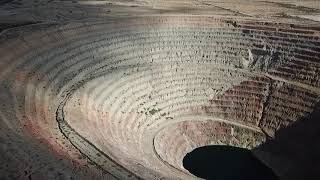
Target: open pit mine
159 89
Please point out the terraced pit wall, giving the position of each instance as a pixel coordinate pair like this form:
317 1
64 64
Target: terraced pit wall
127 99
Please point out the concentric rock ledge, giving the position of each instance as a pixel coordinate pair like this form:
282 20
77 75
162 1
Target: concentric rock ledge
132 97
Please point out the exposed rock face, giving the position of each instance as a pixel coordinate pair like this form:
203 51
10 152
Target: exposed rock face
120 96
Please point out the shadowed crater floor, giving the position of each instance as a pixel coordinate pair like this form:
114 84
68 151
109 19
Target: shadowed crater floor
226 162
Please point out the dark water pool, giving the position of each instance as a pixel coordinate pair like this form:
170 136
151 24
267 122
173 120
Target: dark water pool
219 162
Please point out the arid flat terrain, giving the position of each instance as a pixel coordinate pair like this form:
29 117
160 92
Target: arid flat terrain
124 89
